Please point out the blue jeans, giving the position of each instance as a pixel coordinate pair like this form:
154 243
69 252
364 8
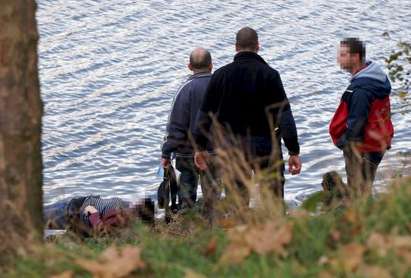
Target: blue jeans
54 215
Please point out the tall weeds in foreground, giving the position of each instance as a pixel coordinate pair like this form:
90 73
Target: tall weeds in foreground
371 238
366 237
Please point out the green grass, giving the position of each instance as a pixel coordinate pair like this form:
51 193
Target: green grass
182 247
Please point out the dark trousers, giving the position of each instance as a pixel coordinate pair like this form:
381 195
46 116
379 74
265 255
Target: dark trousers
55 215
211 186
361 169
265 157
188 181
261 157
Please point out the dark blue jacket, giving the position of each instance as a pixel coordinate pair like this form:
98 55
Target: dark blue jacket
180 125
247 98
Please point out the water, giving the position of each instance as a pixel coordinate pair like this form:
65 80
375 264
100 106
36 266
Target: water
109 71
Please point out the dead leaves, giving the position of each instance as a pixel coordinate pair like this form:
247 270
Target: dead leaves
374 271
65 274
114 263
382 244
271 237
211 247
351 257
261 239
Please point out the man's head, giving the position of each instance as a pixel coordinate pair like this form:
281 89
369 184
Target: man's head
200 61
247 40
351 54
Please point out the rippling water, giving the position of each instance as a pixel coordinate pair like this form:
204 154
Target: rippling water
109 71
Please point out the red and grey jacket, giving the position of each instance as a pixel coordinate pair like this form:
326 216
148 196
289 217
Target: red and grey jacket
364 114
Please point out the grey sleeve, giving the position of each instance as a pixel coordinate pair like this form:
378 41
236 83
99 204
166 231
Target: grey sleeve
178 123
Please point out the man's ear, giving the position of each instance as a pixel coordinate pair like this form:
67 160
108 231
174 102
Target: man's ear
190 67
258 47
210 67
237 48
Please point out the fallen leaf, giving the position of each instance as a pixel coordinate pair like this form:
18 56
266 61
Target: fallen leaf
401 242
351 216
271 237
235 254
351 256
378 243
114 263
374 271
65 274
262 239
382 243
191 274
325 274
226 223
211 247
405 255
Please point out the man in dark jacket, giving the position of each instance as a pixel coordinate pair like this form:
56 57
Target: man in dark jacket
247 99
181 124
362 125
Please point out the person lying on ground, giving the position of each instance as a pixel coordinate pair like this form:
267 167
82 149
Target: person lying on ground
92 215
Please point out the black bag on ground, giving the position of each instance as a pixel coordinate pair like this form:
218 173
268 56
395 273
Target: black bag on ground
168 186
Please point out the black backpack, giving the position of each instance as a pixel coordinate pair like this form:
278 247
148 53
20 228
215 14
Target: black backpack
168 189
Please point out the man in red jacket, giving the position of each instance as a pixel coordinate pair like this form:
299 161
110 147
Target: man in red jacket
362 126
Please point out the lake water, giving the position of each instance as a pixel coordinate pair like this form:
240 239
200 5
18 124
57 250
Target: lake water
110 69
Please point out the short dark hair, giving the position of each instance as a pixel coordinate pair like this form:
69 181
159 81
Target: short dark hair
355 46
200 60
247 38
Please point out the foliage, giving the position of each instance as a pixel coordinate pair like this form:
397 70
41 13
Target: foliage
399 67
370 238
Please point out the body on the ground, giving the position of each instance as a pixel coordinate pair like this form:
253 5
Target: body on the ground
88 215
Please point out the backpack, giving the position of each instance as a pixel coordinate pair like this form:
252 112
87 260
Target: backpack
168 187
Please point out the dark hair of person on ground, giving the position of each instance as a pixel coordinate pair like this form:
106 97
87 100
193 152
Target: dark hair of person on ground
247 40
200 59
355 46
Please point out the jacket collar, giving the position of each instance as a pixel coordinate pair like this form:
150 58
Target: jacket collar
248 55
198 75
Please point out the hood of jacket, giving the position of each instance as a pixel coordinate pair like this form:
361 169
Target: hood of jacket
373 79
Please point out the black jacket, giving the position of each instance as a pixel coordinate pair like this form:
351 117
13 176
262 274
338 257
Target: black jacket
245 96
186 105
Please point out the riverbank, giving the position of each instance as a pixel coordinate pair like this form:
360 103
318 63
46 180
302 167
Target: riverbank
371 238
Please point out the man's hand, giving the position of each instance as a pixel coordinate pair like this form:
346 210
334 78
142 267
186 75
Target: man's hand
200 160
294 165
90 210
165 162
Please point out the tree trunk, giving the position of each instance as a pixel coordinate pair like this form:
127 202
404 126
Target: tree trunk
20 128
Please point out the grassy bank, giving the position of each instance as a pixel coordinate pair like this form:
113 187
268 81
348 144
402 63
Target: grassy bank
372 238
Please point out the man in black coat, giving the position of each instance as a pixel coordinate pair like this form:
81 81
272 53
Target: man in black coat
247 99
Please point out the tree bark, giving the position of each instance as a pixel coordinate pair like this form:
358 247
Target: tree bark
21 110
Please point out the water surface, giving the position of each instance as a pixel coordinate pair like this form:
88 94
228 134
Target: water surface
110 69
